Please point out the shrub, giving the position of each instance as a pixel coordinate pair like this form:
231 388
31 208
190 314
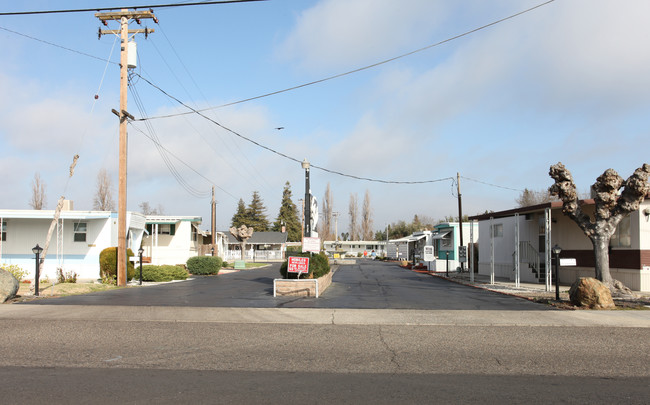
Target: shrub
16 270
318 265
202 265
67 277
108 265
162 273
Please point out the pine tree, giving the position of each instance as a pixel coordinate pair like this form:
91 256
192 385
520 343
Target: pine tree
288 216
240 216
256 214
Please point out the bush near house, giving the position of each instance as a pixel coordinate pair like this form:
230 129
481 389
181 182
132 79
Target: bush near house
318 265
162 273
14 269
108 265
204 265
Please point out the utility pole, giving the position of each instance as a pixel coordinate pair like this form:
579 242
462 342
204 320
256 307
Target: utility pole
124 17
213 221
460 217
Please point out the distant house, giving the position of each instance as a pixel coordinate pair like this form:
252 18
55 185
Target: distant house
355 248
77 240
262 246
445 240
171 239
530 232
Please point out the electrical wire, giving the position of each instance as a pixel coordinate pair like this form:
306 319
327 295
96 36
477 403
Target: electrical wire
58 46
490 184
85 10
164 153
466 33
280 153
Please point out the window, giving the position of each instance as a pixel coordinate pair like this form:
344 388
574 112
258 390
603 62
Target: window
163 229
446 240
622 236
4 231
497 230
80 229
195 235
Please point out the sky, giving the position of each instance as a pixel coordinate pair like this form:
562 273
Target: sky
566 82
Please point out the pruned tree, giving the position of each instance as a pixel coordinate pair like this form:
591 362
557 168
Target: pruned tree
288 216
366 218
610 209
353 212
38 200
103 200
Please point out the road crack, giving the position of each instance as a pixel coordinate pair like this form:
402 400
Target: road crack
393 352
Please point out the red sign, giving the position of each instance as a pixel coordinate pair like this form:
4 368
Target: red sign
298 265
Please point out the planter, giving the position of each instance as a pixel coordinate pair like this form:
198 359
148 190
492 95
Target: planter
303 287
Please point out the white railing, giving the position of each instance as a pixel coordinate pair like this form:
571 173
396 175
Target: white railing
254 255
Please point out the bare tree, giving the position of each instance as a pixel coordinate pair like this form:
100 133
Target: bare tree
146 209
610 209
353 212
366 218
532 197
38 200
104 197
325 227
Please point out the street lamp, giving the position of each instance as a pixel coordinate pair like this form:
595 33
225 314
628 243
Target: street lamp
212 250
140 252
556 252
305 165
37 251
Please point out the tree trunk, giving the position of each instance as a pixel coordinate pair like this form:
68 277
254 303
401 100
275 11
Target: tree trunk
601 256
243 249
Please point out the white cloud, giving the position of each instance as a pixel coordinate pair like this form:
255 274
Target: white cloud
344 33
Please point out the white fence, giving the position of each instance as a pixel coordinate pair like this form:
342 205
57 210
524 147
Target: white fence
254 255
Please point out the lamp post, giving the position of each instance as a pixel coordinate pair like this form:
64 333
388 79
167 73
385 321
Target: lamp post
305 165
140 252
556 252
37 251
212 250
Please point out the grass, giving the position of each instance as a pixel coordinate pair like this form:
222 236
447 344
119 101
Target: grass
63 289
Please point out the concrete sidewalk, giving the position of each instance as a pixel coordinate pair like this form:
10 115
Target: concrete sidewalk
506 286
328 316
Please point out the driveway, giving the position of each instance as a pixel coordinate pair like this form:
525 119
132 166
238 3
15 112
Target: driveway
366 285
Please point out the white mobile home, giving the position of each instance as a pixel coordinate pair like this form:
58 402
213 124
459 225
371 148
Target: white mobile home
77 240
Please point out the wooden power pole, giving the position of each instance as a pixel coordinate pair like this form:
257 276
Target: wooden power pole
124 17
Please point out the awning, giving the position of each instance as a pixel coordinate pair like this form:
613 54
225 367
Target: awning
440 235
162 222
416 238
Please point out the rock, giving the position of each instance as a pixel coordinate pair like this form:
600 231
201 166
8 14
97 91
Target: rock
8 285
591 293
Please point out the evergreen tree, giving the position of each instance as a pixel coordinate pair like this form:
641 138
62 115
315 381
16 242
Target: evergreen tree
240 216
256 214
288 216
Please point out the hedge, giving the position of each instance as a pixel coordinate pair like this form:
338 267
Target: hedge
204 265
318 265
162 273
108 265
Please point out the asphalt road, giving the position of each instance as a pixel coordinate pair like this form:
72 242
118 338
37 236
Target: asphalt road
379 335
369 284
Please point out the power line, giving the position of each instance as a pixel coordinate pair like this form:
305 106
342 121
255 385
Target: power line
365 67
85 10
490 184
283 154
58 46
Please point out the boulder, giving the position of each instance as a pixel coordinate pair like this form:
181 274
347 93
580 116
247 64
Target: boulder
591 293
8 285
